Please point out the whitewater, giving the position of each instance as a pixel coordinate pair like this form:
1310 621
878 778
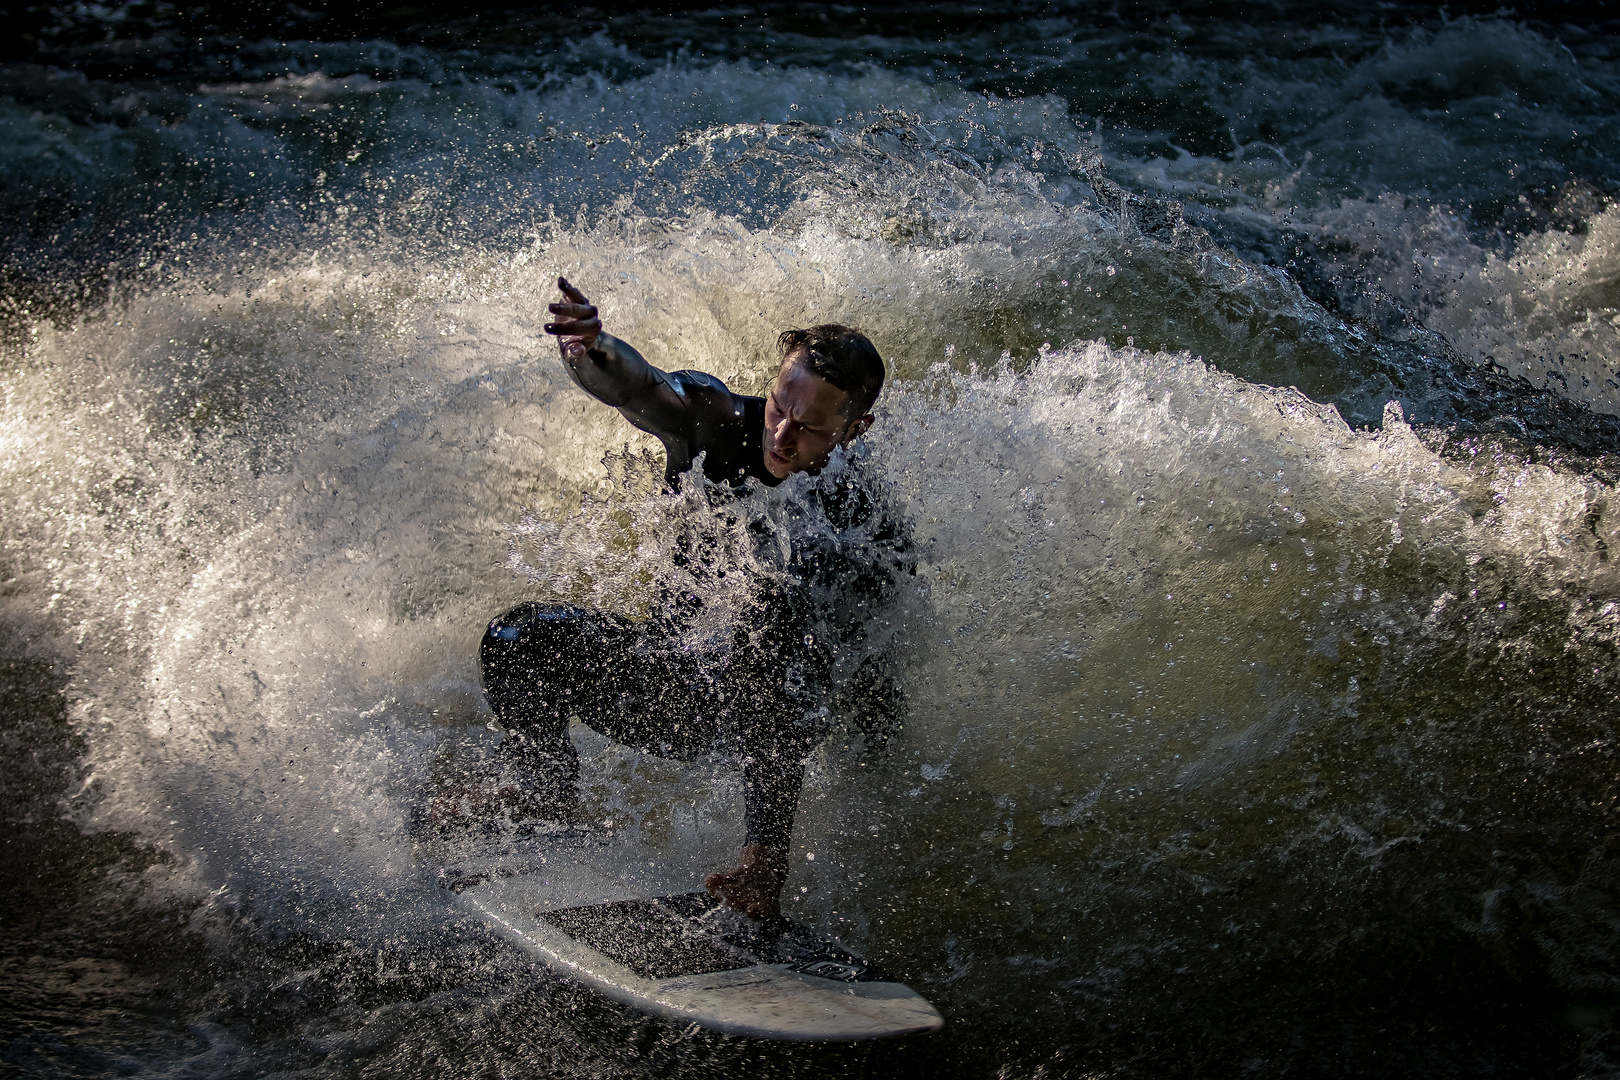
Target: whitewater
1253 408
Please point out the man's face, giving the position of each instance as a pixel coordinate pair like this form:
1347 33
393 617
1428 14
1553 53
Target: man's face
806 418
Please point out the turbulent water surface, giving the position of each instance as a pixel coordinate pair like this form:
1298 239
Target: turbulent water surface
1256 380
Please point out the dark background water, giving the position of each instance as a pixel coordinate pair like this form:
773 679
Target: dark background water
1367 202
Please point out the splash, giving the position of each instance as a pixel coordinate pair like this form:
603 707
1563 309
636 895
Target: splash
1212 679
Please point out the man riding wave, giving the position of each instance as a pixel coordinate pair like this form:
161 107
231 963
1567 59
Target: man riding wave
810 650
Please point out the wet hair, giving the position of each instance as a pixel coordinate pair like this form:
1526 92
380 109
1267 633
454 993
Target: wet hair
843 356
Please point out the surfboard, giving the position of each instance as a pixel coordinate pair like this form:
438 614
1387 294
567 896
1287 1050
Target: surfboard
624 919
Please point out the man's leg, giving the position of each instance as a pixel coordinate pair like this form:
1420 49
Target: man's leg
541 664
661 703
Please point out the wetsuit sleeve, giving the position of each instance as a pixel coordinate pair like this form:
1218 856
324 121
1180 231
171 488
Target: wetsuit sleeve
771 784
615 374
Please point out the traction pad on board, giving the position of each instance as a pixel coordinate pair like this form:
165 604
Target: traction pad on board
690 934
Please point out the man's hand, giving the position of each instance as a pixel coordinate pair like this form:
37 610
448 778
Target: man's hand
577 322
755 887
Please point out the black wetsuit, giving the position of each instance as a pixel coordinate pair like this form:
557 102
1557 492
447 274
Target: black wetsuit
691 412
762 700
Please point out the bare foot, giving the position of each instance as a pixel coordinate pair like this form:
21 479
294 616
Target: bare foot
754 888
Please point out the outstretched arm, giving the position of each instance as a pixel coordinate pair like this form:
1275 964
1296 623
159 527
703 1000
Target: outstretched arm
614 373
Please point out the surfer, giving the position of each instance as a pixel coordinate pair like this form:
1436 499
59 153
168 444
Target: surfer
759 702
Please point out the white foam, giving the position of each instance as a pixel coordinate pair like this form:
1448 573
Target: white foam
267 564
260 501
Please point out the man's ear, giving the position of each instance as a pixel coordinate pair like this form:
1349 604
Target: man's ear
859 428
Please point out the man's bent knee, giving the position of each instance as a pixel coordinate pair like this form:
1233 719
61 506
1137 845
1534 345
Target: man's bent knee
521 656
533 640
546 660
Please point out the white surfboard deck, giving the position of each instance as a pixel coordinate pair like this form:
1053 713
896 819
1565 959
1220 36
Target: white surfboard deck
628 921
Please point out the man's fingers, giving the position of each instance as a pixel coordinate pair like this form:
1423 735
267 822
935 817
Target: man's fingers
581 327
740 895
577 318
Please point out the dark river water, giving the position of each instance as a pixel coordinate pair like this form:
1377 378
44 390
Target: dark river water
1256 380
